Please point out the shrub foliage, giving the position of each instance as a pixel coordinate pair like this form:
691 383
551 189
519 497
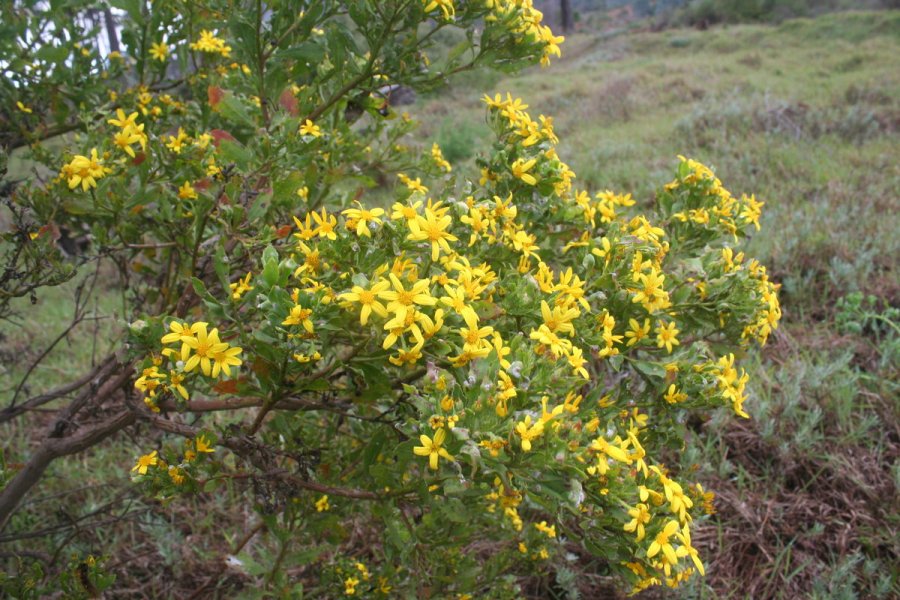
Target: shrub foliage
431 378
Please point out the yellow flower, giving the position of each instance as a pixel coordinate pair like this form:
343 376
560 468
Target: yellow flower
473 336
549 530
23 108
203 445
205 346
414 185
661 543
456 299
310 128
223 360
177 142
144 462
432 448
637 331
409 212
666 336
187 191
529 432
322 504
368 299
432 228
299 316
85 171
123 121
123 139
159 51
324 224
362 217
673 396
520 170
350 586
175 381
446 7
577 361
179 332
640 516
402 300
208 42
436 153
176 475
686 549
240 287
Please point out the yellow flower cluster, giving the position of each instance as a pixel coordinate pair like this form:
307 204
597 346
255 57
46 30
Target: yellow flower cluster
130 132
84 171
179 473
728 209
201 348
524 21
209 43
439 159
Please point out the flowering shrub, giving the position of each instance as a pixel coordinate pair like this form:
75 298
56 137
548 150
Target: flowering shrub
481 370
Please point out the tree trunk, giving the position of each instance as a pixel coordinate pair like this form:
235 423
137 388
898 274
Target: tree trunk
565 11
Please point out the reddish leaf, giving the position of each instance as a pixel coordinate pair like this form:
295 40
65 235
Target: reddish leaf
283 231
226 386
138 158
289 102
219 135
215 95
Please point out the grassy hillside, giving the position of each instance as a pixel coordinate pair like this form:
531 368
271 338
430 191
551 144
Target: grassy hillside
806 115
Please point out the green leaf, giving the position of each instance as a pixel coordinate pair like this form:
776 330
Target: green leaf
233 152
316 385
458 50
284 190
654 370
306 53
200 288
235 111
221 267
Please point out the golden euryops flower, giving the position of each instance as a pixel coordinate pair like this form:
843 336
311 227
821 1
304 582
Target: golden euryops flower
368 299
432 448
177 142
520 170
310 128
187 191
144 462
666 336
362 217
240 287
640 516
299 315
209 43
203 445
446 7
205 346
159 51
432 228
84 171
